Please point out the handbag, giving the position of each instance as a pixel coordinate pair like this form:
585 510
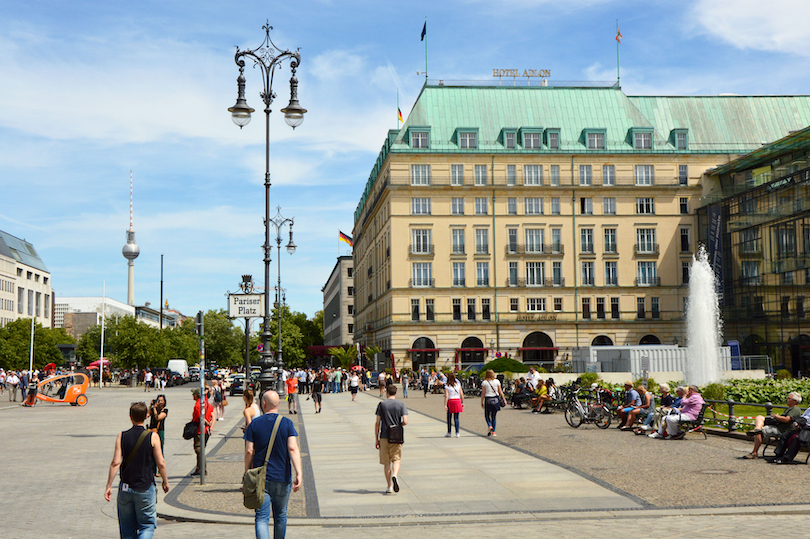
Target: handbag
396 434
501 403
190 430
254 479
224 400
770 420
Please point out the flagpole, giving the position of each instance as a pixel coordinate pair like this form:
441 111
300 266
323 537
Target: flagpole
397 107
426 64
618 70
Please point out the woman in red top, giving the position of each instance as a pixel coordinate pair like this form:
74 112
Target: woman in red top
209 421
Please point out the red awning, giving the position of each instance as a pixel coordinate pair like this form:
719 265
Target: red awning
473 349
423 349
540 348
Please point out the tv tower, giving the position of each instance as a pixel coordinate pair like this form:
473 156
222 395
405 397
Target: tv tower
130 251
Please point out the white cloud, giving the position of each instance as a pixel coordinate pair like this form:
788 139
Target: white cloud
777 25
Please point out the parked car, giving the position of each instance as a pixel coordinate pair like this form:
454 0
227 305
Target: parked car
177 379
194 374
237 385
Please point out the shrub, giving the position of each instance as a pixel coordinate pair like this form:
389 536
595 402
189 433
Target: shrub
651 384
783 374
588 378
714 392
762 391
542 369
503 364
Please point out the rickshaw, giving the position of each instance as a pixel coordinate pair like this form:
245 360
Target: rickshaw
69 388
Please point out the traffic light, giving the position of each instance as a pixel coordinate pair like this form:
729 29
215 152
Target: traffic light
198 322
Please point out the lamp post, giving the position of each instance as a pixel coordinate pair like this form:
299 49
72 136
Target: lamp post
279 221
269 58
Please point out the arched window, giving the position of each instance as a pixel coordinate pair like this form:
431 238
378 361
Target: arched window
538 348
602 340
649 339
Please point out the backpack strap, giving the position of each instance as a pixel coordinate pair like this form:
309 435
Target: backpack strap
141 438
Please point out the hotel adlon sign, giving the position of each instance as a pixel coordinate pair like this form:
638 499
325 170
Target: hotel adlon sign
245 305
542 73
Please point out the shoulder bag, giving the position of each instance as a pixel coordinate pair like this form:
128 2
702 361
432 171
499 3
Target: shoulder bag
254 479
501 401
190 430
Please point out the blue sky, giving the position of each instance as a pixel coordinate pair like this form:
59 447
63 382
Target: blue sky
91 90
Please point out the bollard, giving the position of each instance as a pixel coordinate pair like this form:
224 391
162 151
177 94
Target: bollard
732 419
768 409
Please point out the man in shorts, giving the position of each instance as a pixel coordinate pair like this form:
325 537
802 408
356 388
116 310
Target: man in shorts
292 388
317 389
776 424
390 413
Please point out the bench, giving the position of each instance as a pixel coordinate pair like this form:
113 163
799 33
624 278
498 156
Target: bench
694 425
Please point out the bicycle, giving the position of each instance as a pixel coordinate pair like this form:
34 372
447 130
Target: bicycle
593 411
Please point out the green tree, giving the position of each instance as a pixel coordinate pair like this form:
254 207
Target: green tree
15 342
345 355
134 344
182 342
89 346
224 342
369 352
292 338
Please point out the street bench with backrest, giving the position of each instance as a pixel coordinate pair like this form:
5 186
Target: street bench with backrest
695 425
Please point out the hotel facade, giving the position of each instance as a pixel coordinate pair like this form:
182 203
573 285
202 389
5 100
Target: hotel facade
535 220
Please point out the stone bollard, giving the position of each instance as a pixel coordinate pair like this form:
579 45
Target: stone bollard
732 419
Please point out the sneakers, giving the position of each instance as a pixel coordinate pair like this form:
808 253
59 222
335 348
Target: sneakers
295 411
489 431
395 482
655 435
447 435
494 435
389 490
458 435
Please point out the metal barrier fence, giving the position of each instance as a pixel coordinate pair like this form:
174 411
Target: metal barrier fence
733 420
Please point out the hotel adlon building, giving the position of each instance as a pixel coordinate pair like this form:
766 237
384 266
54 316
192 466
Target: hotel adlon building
535 220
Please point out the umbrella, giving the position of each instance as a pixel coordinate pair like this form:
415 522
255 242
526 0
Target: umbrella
99 362
92 367
49 367
358 368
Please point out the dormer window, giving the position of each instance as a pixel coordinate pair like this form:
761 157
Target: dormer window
642 138
509 140
468 141
531 141
420 140
680 139
553 139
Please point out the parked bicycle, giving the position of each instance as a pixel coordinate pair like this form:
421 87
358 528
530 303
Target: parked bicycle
591 411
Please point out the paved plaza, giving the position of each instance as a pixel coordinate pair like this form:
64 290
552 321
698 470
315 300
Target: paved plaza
56 460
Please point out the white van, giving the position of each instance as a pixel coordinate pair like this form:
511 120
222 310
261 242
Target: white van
180 366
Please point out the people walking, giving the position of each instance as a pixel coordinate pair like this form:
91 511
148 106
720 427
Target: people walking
282 456
251 410
392 416
453 402
405 378
218 397
208 419
157 418
491 398
292 388
354 385
139 451
317 391
12 381
381 382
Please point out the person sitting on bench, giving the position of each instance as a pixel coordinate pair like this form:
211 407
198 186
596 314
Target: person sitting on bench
774 425
691 405
540 396
790 442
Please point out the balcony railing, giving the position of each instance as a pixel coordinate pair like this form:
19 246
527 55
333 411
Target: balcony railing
545 249
458 250
421 283
437 179
422 249
482 282
481 250
653 281
460 282
645 249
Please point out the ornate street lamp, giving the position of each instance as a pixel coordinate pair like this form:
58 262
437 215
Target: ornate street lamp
268 58
279 221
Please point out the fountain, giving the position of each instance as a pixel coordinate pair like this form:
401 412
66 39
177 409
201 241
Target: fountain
703 324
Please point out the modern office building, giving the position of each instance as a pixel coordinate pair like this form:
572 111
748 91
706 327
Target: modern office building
756 225
535 220
338 304
76 314
25 282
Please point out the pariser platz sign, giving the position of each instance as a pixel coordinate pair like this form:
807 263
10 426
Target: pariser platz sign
245 305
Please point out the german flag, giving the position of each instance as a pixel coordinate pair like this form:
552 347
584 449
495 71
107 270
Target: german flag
347 239
399 113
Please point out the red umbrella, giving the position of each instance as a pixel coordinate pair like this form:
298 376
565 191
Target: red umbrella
99 362
91 367
49 367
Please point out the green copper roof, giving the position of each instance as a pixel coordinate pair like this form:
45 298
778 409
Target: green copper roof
713 124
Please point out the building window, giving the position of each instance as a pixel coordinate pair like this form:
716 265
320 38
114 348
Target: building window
513 274
458 274
533 206
482 273
414 310
420 241
614 308
513 305
511 206
38 302
351 328
586 206
422 274
611 274
655 308
642 141
511 175
20 298
586 308
645 206
647 274
608 206
536 305
350 291
555 205
556 273
600 308
553 141
534 240
30 303
555 174
750 272
468 141
481 241
685 269
350 310
641 311
686 246
608 175
458 241
420 140
457 206
532 141
456 309
532 175
512 245
596 141
480 174
535 273
800 307
587 274
684 202
558 304
585 177
430 310
470 308
645 174
556 240
610 241
509 140
645 240
420 206
680 141
349 272
683 174
420 174
481 206
750 241
586 240
47 309
485 313
456 175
